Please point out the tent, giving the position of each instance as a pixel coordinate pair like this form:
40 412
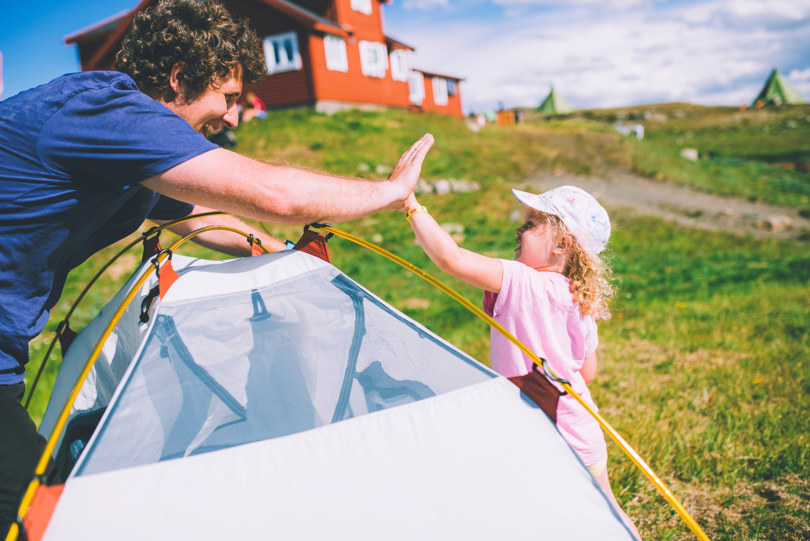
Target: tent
555 104
273 397
777 91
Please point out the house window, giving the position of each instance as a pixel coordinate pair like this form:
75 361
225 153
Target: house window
400 65
439 91
416 87
452 87
363 6
281 53
373 58
335 48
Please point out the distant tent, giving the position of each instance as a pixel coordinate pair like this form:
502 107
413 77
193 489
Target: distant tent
272 397
490 115
778 91
554 104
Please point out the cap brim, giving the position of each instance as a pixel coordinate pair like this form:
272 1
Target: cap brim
533 201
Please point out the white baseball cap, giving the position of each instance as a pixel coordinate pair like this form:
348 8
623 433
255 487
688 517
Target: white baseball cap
579 211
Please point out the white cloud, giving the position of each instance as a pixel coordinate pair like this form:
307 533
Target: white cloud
795 10
800 79
425 4
797 76
599 4
626 57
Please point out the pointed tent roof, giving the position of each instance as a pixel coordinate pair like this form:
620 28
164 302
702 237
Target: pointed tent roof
778 91
555 104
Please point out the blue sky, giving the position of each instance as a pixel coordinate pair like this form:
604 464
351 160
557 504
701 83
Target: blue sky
597 53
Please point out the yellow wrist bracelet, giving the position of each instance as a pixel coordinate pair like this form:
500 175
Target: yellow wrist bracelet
415 210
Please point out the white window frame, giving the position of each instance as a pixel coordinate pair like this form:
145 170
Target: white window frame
363 6
439 91
289 57
334 48
400 60
373 58
416 88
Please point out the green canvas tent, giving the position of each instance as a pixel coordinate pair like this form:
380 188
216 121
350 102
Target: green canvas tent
554 104
777 91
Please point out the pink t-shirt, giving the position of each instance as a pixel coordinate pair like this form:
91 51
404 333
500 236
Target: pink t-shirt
538 309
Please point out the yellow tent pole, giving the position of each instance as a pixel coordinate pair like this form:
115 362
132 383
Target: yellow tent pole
62 420
63 416
91 360
628 450
143 236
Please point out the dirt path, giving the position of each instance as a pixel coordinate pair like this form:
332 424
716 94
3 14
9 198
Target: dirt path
685 205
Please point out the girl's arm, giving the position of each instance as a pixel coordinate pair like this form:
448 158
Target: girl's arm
475 269
588 369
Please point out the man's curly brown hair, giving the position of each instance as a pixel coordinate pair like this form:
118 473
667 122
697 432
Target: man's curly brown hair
198 34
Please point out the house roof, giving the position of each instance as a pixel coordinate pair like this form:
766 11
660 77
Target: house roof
116 26
102 27
442 75
312 19
393 41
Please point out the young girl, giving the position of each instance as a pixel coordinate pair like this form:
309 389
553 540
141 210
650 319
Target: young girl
548 297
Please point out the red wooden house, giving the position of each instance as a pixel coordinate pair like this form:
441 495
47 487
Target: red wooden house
326 54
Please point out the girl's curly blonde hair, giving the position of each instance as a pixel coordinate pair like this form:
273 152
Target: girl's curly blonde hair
589 275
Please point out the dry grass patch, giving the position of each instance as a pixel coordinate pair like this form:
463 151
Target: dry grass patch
728 512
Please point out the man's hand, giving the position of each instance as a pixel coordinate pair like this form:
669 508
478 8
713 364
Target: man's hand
406 172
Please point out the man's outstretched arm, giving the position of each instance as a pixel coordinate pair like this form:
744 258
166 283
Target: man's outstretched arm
223 180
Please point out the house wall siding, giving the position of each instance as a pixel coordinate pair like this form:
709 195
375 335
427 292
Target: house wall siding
352 86
429 105
368 27
87 49
286 88
314 83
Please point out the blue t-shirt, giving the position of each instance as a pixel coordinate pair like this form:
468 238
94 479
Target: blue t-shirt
72 155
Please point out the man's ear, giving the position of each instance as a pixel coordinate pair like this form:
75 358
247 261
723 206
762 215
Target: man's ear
177 79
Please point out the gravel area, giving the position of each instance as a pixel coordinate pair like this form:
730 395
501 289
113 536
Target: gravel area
685 205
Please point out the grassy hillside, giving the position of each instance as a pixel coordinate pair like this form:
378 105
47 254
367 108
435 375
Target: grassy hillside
704 365
761 154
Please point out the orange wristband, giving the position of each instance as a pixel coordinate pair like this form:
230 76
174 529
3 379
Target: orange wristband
415 210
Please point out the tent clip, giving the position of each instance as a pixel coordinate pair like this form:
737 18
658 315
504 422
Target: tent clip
254 240
255 244
552 377
151 243
156 261
62 326
146 304
320 226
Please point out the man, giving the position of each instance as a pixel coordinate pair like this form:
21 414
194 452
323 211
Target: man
87 157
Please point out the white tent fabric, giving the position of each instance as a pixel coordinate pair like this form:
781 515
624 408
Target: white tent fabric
273 397
116 355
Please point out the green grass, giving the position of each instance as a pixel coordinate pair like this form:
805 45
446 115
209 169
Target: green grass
704 367
763 155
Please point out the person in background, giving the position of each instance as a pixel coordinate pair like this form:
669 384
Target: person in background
86 158
548 297
254 107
